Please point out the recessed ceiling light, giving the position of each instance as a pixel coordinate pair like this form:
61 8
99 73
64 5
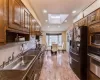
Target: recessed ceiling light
48 26
73 11
46 20
44 11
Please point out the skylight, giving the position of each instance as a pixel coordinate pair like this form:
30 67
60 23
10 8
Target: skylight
57 18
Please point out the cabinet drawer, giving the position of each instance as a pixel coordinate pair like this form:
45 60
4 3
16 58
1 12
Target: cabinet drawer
15 14
75 67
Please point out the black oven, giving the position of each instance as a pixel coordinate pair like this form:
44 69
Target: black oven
94 67
94 58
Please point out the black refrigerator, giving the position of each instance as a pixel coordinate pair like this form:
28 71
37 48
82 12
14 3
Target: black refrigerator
78 52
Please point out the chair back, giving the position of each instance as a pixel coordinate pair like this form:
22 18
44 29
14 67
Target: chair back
54 47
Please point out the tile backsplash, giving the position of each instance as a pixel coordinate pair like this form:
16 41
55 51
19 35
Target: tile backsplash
7 50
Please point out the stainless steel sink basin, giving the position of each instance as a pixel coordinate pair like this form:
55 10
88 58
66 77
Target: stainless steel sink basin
32 52
21 63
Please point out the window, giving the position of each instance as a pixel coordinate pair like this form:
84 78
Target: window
54 38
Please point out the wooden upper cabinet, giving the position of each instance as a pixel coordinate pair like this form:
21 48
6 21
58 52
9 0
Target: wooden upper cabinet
83 22
94 28
35 29
26 20
15 14
32 25
3 21
94 17
76 24
18 16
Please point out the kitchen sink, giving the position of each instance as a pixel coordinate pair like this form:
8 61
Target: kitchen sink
21 63
32 52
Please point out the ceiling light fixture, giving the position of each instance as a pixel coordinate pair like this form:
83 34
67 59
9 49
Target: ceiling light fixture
48 26
73 11
44 11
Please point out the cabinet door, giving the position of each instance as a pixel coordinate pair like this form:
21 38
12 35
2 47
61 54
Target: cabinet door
26 20
15 14
94 17
83 22
3 20
32 26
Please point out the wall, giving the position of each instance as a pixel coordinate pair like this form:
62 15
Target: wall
87 11
64 39
44 38
7 50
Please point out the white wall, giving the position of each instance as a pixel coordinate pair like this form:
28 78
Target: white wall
90 9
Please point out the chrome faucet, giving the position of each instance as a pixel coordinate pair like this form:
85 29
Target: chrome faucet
22 49
12 56
9 59
3 65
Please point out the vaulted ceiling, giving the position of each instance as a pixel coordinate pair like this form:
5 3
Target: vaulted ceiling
58 7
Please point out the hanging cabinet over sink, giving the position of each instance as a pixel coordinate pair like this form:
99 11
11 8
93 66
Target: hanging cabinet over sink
18 16
26 20
32 24
15 14
14 20
35 29
3 20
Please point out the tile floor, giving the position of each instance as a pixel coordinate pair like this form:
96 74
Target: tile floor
56 67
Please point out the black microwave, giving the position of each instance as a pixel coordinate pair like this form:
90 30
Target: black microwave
95 39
